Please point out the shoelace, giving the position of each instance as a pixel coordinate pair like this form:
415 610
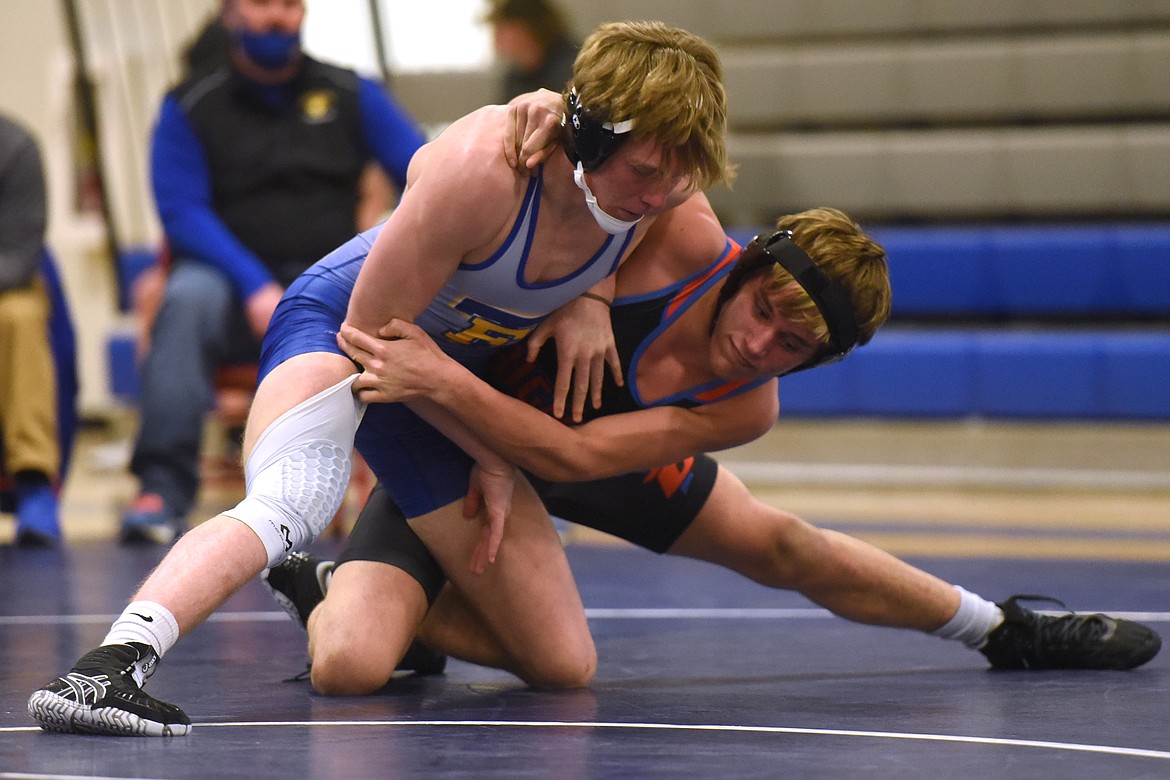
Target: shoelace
301 676
100 659
1058 633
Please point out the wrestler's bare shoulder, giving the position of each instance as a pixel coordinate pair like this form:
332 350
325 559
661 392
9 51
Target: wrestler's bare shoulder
681 242
471 149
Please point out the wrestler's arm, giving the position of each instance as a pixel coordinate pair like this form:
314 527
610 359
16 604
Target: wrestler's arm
537 442
459 197
460 194
682 242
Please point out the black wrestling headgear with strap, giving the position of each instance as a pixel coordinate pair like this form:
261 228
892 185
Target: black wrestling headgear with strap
829 297
591 140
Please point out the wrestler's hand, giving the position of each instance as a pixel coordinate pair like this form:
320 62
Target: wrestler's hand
585 345
260 306
534 128
489 496
402 365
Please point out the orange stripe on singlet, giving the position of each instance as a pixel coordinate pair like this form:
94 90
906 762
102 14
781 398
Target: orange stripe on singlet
714 394
686 292
733 252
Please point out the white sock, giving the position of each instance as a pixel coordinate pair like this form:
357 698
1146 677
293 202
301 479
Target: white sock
146 622
975 619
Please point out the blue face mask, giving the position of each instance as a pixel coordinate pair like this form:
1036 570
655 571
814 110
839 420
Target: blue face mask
271 50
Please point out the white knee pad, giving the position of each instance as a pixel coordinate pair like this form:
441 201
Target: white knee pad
297 474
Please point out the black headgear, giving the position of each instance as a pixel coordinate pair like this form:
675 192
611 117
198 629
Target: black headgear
829 297
592 140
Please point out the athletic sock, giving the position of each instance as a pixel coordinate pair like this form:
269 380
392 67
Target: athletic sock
975 619
145 622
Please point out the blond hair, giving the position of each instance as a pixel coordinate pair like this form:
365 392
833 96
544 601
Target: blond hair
844 253
669 82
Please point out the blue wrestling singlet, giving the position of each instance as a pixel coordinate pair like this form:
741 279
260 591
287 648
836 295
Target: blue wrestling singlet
482 307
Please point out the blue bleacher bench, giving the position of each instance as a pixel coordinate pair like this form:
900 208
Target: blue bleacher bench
1010 321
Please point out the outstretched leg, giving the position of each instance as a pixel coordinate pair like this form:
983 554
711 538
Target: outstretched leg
860 582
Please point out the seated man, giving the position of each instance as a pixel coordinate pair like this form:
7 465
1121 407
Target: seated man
703 331
31 454
257 164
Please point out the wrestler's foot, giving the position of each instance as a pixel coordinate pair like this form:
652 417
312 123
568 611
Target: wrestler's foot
298 584
1028 640
422 660
102 694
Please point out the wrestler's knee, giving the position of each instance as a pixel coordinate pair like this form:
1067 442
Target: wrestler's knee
795 553
346 675
297 471
348 668
574 667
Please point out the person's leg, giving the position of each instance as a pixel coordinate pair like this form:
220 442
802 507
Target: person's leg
190 335
385 579
527 599
859 582
523 614
300 409
28 412
847 576
363 627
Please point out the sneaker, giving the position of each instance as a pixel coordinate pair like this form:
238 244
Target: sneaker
102 694
37 516
298 584
149 521
1028 640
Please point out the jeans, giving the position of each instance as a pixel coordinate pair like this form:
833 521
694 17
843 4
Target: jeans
200 326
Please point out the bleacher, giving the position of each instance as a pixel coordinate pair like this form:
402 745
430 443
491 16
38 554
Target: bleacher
1014 159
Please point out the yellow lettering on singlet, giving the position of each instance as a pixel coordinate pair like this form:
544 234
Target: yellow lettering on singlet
481 331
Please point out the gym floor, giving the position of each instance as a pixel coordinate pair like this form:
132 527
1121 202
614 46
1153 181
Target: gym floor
702 674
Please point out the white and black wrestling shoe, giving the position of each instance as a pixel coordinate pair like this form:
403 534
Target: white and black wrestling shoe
102 694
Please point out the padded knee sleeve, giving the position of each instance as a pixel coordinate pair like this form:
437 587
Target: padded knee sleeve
297 474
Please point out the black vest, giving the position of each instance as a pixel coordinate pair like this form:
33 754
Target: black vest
284 161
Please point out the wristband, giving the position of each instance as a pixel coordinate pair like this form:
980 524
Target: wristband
597 297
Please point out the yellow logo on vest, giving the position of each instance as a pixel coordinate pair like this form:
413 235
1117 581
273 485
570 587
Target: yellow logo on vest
318 106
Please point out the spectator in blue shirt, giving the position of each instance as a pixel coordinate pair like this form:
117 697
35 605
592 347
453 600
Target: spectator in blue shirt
257 160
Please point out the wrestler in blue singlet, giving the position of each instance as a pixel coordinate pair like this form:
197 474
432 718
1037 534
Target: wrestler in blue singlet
483 306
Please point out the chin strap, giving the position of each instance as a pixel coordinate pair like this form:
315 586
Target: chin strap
611 225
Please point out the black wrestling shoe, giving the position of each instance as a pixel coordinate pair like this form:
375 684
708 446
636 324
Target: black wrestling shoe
422 660
298 584
1027 640
102 694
